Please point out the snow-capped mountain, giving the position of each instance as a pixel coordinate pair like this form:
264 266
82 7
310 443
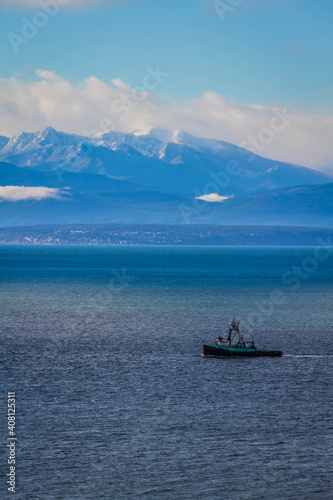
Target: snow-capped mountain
43 147
167 161
159 176
3 141
155 143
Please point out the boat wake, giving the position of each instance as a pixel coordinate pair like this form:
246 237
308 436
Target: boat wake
308 355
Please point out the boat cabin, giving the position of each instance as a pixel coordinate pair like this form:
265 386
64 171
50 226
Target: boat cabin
228 340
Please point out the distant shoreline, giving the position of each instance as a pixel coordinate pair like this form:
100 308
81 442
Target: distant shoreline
165 235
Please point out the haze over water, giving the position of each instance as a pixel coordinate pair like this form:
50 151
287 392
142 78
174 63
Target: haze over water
102 346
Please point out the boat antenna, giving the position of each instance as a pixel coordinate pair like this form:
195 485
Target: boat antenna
234 327
239 335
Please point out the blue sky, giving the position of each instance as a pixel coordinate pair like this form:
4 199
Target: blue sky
225 77
263 51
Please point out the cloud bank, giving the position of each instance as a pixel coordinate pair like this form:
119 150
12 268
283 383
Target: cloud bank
19 193
94 106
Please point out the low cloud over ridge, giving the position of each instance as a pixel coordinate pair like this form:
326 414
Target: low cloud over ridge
94 106
20 193
213 198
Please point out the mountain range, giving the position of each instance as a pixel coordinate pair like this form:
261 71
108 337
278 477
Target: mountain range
154 176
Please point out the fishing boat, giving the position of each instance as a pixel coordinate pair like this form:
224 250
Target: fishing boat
233 344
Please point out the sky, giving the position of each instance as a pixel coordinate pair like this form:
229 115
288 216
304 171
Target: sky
216 68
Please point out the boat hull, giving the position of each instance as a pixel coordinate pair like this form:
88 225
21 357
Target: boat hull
217 351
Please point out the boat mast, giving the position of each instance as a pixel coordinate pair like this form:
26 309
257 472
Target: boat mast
234 327
239 335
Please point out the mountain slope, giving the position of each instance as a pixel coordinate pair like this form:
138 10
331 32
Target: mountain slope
300 206
11 175
156 177
3 141
168 161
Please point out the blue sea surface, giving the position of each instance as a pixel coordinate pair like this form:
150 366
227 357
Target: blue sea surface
102 346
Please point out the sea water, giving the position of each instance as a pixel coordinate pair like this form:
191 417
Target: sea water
102 347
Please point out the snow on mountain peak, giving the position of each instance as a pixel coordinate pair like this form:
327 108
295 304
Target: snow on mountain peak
47 145
149 142
141 131
160 134
178 136
47 131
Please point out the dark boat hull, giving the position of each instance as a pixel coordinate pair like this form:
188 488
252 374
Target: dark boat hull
217 351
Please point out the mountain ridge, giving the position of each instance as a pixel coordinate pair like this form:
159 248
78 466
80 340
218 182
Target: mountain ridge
180 166
297 206
157 176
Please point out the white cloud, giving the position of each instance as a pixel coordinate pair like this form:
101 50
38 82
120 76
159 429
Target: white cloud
19 193
213 198
94 106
